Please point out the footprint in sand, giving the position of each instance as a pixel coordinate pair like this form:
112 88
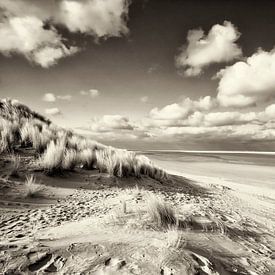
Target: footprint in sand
56 265
40 263
112 266
45 262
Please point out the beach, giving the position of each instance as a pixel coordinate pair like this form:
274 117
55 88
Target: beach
249 171
224 225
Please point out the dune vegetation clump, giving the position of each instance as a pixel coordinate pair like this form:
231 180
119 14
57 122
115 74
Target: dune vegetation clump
70 159
36 135
33 189
58 149
8 134
123 163
160 213
87 158
52 159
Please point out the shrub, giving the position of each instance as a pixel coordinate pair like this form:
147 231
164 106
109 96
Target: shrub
33 189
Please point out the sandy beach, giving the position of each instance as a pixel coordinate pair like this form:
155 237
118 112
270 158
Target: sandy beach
91 223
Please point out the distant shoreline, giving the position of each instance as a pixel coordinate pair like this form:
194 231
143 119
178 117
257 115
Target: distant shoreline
215 152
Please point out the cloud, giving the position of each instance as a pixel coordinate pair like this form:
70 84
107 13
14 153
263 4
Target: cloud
28 37
109 123
28 27
92 93
53 111
270 111
182 110
48 56
215 47
64 97
100 18
219 129
144 99
248 82
49 97
228 118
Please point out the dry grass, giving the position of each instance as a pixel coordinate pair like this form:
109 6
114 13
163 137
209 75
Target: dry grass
52 159
160 213
87 158
69 160
61 149
36 135
8 134
33 189
174 238
123 163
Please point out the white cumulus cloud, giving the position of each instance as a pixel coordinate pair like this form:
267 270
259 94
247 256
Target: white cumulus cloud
23 30
96 17
109 123
248 82
219 45
49 97
28 37
182 110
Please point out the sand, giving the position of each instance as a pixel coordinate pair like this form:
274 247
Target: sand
90 223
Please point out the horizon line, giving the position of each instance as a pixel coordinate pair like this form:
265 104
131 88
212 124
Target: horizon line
214 151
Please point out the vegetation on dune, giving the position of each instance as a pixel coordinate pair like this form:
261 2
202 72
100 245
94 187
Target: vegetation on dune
33 189
161 213
59 149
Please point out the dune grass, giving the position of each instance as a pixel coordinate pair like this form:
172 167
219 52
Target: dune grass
8 135
69 159
32 188
59 150
36 135
87 158
160 213
51 160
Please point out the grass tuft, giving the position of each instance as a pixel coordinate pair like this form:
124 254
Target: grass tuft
33 189
161 214
87 158
52 159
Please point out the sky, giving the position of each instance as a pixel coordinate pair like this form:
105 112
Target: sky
151 74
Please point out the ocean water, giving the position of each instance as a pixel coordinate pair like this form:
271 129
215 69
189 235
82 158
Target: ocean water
250 168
